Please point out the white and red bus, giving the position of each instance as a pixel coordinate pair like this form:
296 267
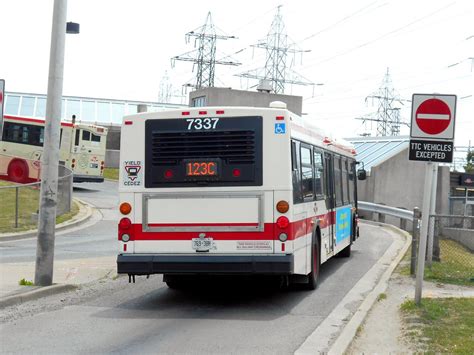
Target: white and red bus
82 149
233 190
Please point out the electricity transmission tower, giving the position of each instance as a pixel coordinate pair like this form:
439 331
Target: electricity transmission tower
388 110
204 56
166 93
277 72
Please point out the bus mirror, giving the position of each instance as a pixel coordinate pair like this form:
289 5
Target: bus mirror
361 174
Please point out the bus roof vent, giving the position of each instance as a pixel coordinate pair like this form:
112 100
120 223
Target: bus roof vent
277 104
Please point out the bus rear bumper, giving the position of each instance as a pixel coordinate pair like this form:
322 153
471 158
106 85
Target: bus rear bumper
87 178
205 264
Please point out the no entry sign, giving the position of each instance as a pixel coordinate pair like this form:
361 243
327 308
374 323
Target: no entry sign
432 128
433 116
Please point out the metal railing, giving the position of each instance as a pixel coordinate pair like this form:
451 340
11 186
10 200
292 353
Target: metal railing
386 210
450 238
20 202
404 215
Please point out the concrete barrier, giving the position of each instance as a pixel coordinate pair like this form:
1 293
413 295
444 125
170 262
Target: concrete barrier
112 158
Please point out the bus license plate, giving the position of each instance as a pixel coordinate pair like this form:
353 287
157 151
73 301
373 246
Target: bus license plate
94 165
202 244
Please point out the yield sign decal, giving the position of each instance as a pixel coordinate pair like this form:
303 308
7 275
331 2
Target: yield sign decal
433 116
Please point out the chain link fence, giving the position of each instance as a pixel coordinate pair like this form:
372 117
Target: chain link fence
20 202
450 256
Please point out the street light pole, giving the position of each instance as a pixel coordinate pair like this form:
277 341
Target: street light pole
50 156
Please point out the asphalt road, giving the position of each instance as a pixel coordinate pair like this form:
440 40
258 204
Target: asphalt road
217 316
97 239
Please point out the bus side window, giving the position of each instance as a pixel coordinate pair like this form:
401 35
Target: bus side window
86 135
95 138
78 135
318 174
307 173
352 181
338 180
345 192
296 174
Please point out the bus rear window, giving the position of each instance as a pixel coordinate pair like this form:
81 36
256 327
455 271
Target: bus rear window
203 152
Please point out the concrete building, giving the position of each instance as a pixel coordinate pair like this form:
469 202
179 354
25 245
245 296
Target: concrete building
392 179
104 112
231 97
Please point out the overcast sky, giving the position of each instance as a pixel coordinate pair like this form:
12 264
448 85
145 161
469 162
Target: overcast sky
124 50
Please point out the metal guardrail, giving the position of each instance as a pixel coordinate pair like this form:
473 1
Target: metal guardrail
387 210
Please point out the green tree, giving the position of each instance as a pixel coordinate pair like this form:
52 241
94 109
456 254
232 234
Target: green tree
469 167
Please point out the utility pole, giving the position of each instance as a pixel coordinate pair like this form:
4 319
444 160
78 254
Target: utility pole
50 156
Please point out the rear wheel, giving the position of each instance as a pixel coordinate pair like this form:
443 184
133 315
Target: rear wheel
18 171
173 282
346 252
313 276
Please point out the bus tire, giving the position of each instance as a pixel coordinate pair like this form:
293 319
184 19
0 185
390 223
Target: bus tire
313 276
18 171
173 282
346 252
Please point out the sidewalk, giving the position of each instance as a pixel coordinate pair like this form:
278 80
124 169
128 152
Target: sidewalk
381 332
68 273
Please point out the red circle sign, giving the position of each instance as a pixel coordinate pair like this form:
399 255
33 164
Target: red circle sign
433 116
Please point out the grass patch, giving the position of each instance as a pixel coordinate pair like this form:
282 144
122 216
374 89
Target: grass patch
28 202
441 325
111 173
25 282
456 265
28 205
381 297
67 216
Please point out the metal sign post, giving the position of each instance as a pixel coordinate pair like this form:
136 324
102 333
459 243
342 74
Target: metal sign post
431 140
2 100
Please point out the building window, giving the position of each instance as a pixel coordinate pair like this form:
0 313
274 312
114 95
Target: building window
12 104
199 101
27 106
103 111
40 107
88 110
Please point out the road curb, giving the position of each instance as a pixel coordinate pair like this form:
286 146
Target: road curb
336 332
35 294
84 207
347 335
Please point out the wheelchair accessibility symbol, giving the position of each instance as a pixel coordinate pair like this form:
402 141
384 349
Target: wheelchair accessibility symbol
280 128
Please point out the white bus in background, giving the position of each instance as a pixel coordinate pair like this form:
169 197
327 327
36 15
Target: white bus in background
233 190
82 149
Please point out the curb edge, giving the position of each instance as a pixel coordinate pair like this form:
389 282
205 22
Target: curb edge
345 338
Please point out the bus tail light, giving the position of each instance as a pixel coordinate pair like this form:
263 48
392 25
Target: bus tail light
168 174
283 222
282 206
125 223
125 208
236 172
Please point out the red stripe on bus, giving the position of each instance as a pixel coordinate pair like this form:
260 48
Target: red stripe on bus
296 229
34 120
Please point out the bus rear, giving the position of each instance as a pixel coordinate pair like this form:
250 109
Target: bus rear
198 190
